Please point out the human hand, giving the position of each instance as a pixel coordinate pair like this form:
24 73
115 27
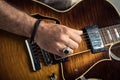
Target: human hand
54 38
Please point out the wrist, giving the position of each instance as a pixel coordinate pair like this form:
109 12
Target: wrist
40 31
30 26
36 25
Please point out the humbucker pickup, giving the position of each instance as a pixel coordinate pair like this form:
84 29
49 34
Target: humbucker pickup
94 38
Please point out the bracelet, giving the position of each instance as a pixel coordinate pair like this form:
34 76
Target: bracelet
35 29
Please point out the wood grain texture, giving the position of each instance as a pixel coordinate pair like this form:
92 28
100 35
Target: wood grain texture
14 60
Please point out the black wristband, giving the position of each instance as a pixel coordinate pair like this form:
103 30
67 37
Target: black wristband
35 29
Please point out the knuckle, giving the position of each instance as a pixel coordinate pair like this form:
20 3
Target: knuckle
64 38
79 40
76 46
57 45
71 51
61 37
65 30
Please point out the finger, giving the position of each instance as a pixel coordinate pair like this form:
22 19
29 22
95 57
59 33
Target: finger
75 37
71 43
60 49
79 32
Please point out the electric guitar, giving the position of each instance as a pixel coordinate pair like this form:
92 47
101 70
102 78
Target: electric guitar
96 58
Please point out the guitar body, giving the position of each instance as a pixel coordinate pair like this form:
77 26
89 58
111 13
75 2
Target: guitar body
14 59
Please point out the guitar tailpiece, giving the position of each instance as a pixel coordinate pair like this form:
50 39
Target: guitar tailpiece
33 51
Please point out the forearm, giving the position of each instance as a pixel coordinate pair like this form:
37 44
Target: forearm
15 21
50 37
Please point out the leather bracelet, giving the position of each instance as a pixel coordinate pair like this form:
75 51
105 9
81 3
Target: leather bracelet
35 29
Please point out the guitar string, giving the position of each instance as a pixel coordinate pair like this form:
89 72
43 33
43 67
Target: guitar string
70 56
110 27
105 29
86 40
86 34
80 52
42 59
